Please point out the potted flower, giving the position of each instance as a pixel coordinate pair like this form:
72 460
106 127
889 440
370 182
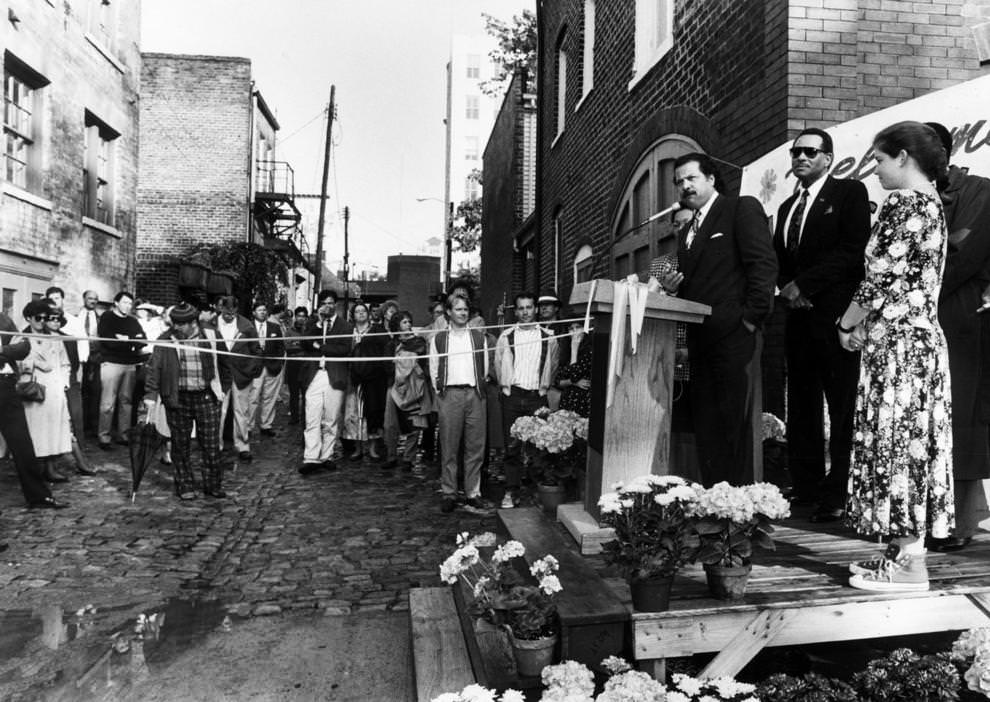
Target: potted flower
904 676
653 535
558 445
478 693
571 681
972 648
729 522
504 597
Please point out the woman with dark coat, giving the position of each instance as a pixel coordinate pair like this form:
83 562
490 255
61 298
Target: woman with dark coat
409 400
364 404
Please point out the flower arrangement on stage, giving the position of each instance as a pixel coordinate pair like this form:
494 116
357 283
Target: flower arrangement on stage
502 596
573 682
973 647
477 693
730 521
558 441
654 536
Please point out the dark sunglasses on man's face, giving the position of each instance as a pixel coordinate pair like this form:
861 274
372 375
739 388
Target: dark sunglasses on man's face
47 318
807 151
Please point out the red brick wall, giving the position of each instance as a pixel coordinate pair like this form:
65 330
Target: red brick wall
53 41
742 77
196 114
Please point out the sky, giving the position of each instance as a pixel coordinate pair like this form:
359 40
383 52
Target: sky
387 59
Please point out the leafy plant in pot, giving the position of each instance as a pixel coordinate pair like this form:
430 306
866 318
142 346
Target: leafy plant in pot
505 597
729 522
557 443
654 535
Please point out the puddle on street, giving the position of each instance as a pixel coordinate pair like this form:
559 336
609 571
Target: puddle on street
100 657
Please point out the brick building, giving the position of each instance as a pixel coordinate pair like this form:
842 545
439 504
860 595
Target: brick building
209 174
410 279
509 190
69 183
624 88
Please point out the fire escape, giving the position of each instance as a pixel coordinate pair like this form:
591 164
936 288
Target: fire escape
275 213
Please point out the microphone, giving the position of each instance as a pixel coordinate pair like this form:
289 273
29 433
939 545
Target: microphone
652 218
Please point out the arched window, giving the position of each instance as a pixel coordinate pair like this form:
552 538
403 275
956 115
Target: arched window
650 189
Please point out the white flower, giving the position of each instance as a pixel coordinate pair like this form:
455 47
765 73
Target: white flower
508 551
609 503
477 693
683 493
615 665
674 696
550 585
913 225
479 587
447 697
511 695
663 499
687 684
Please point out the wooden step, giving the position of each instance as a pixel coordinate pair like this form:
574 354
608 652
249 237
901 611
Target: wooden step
440 653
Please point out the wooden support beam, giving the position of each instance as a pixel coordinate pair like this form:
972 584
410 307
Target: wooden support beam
440 654
747 643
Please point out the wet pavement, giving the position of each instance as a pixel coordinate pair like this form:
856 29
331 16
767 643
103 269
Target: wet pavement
74 582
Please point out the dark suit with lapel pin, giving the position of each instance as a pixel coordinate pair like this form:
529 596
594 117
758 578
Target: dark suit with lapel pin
730 265
827 267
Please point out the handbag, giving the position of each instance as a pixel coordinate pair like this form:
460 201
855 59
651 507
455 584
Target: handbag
30 390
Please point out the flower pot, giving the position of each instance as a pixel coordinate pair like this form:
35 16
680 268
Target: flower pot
651 594
727 582
551 497
533 655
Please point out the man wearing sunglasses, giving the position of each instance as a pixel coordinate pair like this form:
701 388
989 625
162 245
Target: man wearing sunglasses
820 236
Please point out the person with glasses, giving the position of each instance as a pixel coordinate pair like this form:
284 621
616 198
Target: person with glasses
13 424
48 365
820 235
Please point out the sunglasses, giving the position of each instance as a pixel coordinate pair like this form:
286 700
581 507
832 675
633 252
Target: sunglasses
47 318
808 151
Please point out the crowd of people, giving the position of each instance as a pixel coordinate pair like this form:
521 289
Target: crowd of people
883 331
360 380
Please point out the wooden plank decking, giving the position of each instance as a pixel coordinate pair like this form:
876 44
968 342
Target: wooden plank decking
799 594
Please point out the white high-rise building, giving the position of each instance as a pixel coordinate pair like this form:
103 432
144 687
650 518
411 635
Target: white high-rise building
470 117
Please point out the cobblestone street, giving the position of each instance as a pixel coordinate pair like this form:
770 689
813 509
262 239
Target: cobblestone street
348 542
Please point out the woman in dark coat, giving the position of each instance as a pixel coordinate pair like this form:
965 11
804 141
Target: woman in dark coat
966 202
409 400
574 371
369 381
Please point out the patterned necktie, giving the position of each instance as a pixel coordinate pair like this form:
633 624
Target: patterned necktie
693 229
794 228
261 334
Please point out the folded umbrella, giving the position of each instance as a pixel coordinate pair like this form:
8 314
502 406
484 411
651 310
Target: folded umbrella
144 444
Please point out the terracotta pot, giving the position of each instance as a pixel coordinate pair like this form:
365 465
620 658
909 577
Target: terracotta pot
551 497
651 594
533 655
727 582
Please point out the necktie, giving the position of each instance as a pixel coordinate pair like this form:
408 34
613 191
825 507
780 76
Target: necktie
87 323
261 334
794 228
693 230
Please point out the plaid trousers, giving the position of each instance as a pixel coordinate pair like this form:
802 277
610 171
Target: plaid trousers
204 408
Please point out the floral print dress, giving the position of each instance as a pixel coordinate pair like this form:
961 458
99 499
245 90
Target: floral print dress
900 480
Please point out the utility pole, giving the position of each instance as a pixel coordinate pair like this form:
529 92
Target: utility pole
317 282
347 257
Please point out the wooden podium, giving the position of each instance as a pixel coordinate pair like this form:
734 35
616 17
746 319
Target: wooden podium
632 436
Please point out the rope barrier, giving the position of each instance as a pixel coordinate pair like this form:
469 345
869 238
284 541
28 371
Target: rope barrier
219 341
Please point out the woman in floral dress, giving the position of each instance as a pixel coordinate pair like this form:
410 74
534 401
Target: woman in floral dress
900 482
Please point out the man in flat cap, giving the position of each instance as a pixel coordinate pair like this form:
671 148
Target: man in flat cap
183 373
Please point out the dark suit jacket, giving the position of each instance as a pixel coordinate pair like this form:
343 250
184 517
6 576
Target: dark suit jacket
730 266
273 352
9 351
829 262
338 345
236 369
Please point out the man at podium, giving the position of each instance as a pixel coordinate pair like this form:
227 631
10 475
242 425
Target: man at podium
726 260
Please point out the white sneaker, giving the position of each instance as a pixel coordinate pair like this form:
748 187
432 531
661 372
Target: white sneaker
875 563
507 501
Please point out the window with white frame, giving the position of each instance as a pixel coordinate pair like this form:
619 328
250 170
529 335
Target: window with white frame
561 86
588 58
473 66
472 188
654 34
22 89
584 264
471 108
98 170
650 189
471 148
102 22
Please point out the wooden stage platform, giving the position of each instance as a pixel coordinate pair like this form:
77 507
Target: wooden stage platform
799 594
